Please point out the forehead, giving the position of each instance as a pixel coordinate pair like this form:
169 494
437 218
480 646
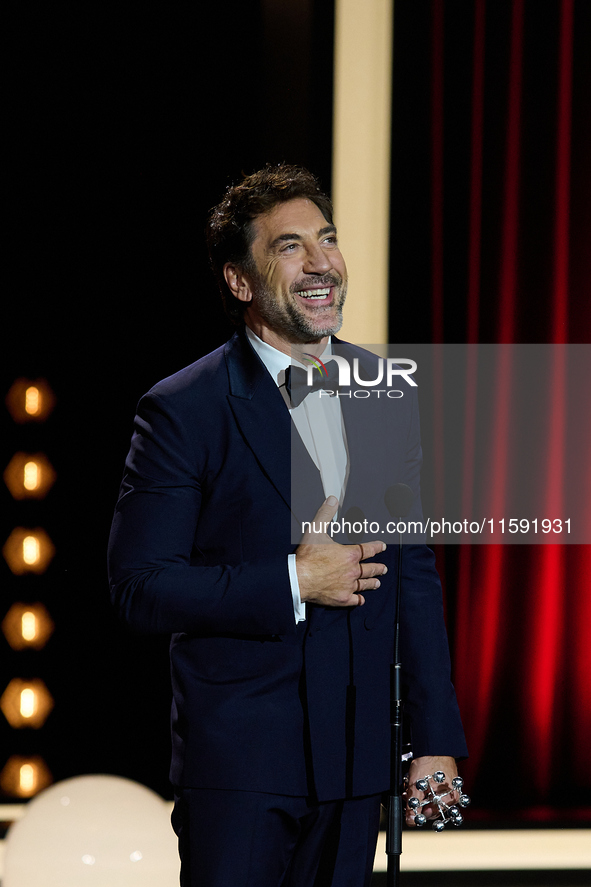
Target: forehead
298 216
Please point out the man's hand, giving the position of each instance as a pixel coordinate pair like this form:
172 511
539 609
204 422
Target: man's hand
331 574
421 768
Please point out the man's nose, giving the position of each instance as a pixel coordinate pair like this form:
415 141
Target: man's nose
317 261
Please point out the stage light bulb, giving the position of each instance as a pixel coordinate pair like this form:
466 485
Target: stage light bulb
28 626
31 551
110 831
28 706
27 779
32 400
28 550
24 777
26 703
31 478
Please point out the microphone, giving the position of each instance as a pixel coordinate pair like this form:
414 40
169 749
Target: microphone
398 499
353 516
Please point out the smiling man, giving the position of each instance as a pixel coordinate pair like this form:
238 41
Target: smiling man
280 653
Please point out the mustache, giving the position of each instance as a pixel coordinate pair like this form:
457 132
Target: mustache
310 282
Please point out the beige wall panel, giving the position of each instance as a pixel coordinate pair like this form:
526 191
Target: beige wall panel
361 160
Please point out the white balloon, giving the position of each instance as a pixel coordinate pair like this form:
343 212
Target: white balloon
101 831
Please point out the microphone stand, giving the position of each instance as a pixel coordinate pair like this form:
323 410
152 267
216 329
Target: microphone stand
394 822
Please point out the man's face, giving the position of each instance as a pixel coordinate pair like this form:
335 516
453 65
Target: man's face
299 281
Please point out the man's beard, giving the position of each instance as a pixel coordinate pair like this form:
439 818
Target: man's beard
289 320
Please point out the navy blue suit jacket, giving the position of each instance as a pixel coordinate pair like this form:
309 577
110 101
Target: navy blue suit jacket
199 549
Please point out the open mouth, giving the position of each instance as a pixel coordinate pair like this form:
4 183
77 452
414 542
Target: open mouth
316 295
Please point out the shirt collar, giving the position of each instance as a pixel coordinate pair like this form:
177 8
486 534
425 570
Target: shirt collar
276 361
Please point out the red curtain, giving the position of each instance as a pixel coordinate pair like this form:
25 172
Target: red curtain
509 209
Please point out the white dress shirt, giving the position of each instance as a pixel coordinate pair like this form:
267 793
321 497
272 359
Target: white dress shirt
319 422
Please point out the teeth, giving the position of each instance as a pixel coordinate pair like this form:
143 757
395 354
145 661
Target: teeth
314 294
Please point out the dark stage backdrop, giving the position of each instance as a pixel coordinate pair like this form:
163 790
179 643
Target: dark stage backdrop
126 124
124 128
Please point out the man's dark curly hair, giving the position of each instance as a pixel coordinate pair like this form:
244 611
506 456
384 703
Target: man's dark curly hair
229 231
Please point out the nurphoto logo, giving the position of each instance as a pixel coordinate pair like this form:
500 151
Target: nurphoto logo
389 369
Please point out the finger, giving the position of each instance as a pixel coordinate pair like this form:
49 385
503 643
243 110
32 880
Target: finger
319 527
354 600
370 549
409 812
370 570
328 509
427 812
367 585
326 512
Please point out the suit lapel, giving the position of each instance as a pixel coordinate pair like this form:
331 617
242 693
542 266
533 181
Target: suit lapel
358 430
366 426
264 420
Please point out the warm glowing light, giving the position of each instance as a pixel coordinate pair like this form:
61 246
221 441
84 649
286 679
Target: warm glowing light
30 400
31 550
32 476
28 550
27 778
24 777
26 703
29 476
27 625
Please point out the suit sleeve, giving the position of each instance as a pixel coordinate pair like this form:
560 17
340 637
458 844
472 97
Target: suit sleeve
153 584
430 703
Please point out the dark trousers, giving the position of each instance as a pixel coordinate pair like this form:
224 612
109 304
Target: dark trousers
252 839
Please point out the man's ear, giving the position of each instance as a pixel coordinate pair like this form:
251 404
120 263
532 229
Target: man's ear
238 282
